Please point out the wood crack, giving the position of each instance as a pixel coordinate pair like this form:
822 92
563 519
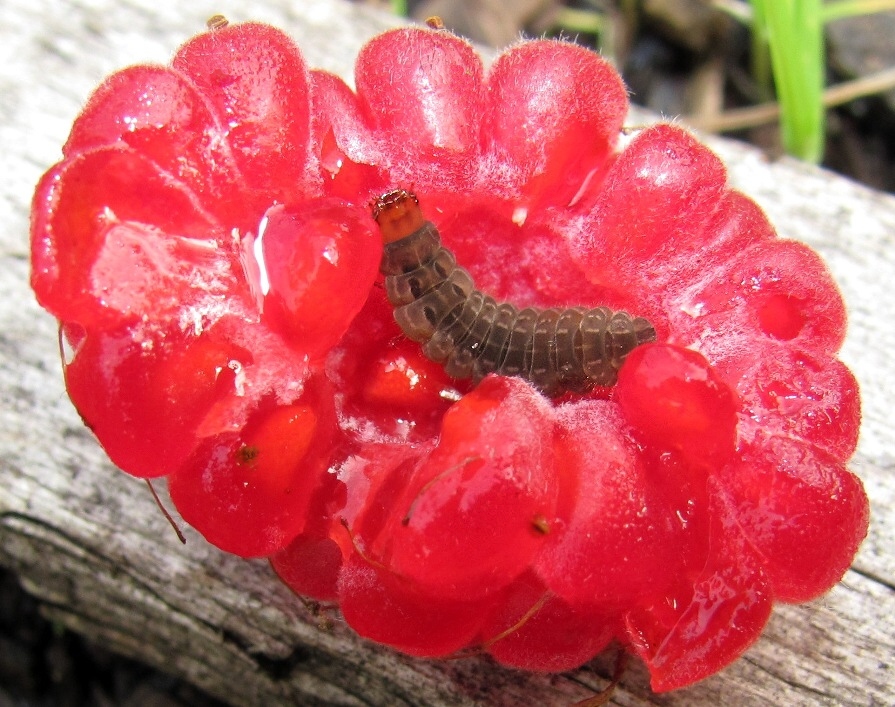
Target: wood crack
874 577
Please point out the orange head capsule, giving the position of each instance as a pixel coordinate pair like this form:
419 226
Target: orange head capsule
398 214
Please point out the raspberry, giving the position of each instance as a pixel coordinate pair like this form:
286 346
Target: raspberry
552 154
709 621
493 468
207 246
389 390
385 607
777 479
676 401
144 399
796 394
533 630
677 183
256 84
613 506
310 565
110 227
249 491
309 252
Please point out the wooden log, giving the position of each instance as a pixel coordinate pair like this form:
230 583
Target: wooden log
89 542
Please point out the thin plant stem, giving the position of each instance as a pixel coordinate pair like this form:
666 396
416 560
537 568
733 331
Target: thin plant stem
168 517
750 117
849 8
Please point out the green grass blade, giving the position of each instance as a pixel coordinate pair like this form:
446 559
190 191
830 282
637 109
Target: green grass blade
795 34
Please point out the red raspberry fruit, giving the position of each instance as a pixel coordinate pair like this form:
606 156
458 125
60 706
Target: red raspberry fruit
207 246
533 630
492 468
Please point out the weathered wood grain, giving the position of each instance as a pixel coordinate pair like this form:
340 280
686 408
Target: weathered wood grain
90 543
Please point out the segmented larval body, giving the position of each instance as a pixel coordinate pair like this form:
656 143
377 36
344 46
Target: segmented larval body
472 334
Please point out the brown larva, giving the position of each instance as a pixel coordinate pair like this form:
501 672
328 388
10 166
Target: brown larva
472 335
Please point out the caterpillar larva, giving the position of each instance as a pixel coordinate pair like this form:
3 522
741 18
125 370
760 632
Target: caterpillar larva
472 335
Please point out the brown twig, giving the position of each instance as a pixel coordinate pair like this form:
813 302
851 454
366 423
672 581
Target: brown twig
752 116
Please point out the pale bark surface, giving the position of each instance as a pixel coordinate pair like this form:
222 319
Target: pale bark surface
90 543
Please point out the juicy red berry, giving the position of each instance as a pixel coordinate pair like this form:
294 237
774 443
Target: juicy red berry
709 621
145 399
382 606
777 479
469 519
791 393
311 566
612 505
207 246
677 181
677 402
534 630
256 83
248 492
162 116
309 252
774 291
424 124
390 390
553 137
114 239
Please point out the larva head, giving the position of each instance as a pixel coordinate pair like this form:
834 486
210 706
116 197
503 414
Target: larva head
398 214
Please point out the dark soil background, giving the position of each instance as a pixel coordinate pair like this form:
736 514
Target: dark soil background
680 58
